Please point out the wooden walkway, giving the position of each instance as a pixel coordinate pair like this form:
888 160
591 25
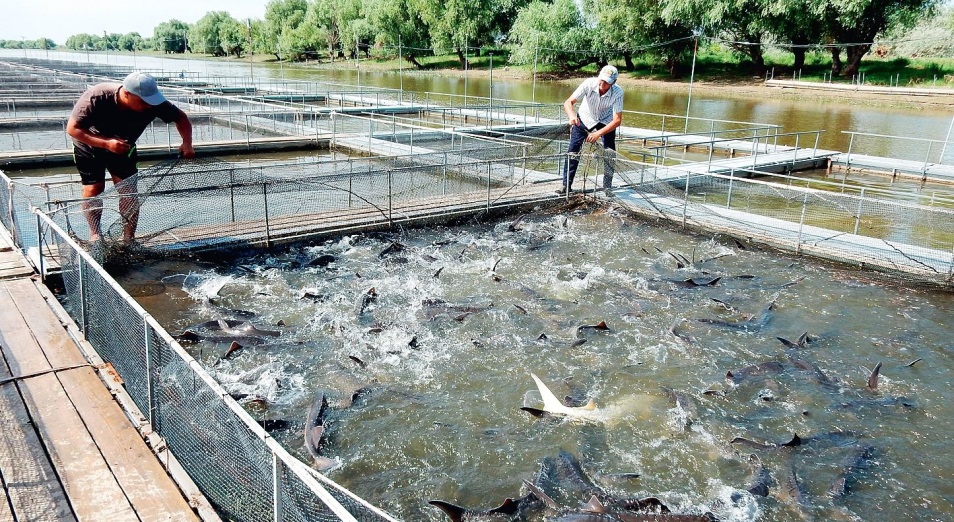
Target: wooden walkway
919 170
67 449
295 226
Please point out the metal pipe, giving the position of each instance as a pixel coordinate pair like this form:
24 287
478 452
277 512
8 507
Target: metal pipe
147 336
858 212
801 224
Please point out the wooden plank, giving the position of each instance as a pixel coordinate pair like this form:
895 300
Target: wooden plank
90 485
33 490
150 490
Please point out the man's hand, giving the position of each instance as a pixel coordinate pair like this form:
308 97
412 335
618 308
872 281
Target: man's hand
187 151
592 137
119 147
574 121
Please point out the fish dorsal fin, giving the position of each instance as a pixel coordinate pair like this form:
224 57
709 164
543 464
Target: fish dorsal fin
537 492
590 406
594 505
550 401
602 326
795 441
802 339
873 378
455 513
509 507
223 325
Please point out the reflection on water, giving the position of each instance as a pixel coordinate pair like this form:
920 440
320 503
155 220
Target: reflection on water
444 353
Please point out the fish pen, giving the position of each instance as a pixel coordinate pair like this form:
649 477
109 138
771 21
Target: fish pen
349 222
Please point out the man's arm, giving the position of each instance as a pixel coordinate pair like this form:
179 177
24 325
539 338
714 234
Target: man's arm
84 136
617 121
184 126
570 111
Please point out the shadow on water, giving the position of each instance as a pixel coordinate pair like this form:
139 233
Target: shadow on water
426 378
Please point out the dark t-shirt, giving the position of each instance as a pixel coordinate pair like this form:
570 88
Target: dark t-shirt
98 111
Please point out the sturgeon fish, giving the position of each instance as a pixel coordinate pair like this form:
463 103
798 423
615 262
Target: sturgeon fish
553 405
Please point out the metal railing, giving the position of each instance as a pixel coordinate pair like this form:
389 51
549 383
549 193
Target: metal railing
907 139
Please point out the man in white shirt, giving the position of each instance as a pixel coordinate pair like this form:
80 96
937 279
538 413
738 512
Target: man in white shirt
601 112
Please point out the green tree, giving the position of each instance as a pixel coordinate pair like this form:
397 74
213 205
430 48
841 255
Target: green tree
234 37
45 44
456 23
554 33
282 17
129 42
395 24
795 22
206 35
741 22
856 23
638 27
81 42
172 36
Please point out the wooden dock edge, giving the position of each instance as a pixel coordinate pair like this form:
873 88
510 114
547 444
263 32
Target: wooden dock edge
196 499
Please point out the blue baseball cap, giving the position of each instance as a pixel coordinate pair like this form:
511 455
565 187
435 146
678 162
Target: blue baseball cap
145 87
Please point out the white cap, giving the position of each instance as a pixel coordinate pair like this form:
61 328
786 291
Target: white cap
144 86
608 74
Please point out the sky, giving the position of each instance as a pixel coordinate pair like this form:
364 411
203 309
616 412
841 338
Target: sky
59 19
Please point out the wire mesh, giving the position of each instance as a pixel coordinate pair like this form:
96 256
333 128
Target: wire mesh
230 461
892 236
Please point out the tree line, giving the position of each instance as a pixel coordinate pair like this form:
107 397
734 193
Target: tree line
562 34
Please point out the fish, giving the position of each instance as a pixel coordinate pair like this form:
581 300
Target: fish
393 248
755 370
553 405
246 330
506 511
684 405
831 438
873 378
437 308
884 402
798 343
679 335
791 490
322 260
540 243
366 299
699 281
814 370
912 363
859 458
595 511
512 227
599 327
754 323
315 431
760 479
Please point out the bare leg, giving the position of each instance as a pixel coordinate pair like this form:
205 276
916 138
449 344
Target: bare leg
128 207
93 209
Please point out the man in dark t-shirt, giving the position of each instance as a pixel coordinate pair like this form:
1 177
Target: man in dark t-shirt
105 124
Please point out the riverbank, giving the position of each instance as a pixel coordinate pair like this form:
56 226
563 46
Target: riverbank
747 88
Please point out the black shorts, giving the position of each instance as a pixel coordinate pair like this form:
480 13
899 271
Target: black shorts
92 164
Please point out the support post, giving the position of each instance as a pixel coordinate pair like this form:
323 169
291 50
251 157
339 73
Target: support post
858 212
692 75
801 224
277 507
150 393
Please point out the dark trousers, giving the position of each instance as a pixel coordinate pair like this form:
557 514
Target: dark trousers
578 134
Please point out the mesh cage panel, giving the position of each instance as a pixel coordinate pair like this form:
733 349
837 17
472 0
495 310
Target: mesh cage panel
230 463
894 236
